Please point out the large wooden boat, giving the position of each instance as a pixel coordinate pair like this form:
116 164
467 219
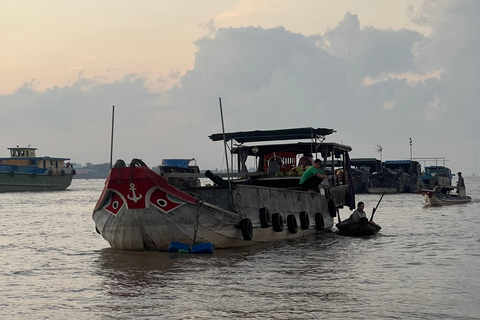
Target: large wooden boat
140 209
362 168
24 171
396 176
443 197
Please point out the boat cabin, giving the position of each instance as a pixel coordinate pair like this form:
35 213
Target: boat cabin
408 166
368 165
277 164
185 172
26 156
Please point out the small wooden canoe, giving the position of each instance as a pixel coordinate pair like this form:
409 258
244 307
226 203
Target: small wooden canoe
443 199
361 228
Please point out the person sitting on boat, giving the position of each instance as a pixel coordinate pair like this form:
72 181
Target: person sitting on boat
312 177
358 213
305 160
438 188
461 186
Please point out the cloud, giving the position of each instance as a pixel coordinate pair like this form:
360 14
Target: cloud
374 86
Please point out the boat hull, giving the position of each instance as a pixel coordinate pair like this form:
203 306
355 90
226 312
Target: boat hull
434 199
358 229
382 190
20 182
140 210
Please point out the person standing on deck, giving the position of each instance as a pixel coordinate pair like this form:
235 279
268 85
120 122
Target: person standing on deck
461 186
312 178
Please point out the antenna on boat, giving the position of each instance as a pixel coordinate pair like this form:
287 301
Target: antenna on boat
111 139
225 145
410 149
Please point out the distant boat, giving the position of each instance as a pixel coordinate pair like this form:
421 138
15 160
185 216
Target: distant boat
397 176
434 175
443 197
362 168
24 171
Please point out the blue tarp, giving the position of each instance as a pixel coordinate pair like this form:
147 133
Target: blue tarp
179 163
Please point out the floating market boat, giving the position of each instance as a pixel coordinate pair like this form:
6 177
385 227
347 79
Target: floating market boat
435 174
24 171
140 209
362 168
443 197
396 176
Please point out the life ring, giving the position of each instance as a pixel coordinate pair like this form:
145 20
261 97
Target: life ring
380 175
319 224
265 217
277 222
304 220
247 229
292 224
12 174
62 173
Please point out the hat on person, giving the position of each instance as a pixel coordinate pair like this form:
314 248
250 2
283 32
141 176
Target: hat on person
459 173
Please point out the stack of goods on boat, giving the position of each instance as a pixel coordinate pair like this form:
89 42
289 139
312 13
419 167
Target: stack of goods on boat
24 171
140 209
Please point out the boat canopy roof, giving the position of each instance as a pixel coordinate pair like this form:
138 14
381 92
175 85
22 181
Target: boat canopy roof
274 135
399 162
362 161
179 163
298 148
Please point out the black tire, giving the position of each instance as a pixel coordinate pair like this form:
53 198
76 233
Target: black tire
34 175
292 224
74 172
49 172
247 229
332 209
319 224
265 218
304 220
62 172
277 222
12 174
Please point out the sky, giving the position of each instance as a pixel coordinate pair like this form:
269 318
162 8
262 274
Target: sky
379 72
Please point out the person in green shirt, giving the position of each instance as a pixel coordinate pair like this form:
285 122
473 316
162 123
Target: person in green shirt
312 178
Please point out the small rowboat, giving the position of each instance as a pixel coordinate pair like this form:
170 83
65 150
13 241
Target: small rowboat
361 228
433 198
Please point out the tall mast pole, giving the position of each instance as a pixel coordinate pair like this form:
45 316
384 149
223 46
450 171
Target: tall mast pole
111 139
225 144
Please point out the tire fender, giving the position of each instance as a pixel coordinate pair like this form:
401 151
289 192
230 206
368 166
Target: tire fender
265 217
292 224
277 222
247 229
304 220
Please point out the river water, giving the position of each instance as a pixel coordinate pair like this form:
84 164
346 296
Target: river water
424 264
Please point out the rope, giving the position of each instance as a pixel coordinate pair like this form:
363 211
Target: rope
195 229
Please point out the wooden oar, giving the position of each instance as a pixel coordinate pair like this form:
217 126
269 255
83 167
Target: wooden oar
375 209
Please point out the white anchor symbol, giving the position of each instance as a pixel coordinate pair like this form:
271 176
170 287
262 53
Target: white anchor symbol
134 197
